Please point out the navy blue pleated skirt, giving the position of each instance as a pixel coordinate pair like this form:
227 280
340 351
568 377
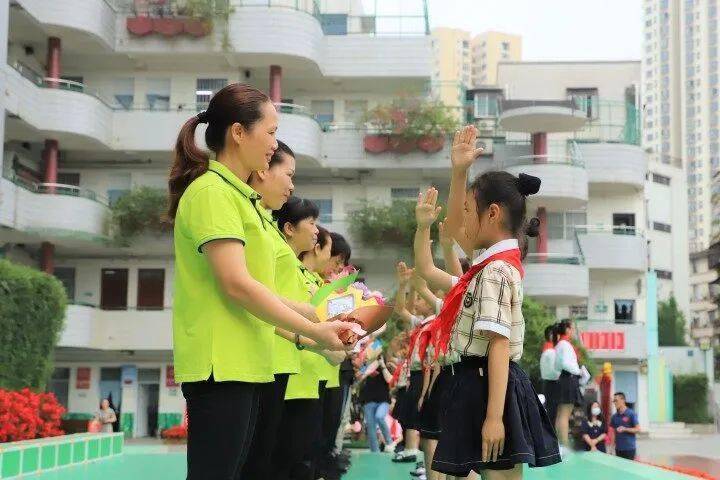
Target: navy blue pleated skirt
529 435
434 400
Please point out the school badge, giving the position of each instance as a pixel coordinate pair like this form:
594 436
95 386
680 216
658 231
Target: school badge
468 301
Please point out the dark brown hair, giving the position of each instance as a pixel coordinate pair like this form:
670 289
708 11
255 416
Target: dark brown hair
235 103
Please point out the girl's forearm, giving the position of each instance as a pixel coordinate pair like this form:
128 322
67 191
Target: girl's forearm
424 261
498 370
456 200
452 262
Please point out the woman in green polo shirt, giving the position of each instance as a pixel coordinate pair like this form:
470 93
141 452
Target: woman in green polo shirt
224 259
275 185
302 415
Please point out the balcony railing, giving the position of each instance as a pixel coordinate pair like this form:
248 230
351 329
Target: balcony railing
560 153
55 188
554 258
614 229
58 83
609 121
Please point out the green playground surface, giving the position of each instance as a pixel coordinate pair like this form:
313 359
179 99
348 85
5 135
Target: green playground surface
154 463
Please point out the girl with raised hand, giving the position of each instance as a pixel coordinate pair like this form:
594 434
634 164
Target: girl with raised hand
224 311
495 422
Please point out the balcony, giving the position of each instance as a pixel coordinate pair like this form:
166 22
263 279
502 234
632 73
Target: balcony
343 147
76 21
59 213
614 167
607 247
607 340
533 116
132 329
299 129
302 35
562 171
67 111
556 279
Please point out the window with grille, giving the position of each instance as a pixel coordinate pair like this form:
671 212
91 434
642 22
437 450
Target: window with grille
324 110
205 89
661 179
124 92
325 205
662 227
664 274
587 100
404 193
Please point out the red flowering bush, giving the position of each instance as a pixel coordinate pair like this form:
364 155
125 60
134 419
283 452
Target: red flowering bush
25 415
178 432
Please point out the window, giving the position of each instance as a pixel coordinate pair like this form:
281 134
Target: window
486 104
74 83
325 205
624 223
59 384
404 193
66 275
205 88
661 227
586 99
324 110
124 92
354 110
624 311
562 225
158 93
113 288
151 289
664 274
661 179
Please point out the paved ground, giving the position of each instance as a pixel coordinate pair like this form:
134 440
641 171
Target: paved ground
702 453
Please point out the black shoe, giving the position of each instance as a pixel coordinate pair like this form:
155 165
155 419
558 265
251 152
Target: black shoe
399 458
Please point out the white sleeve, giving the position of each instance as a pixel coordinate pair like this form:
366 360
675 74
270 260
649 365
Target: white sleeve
415 320
454 280
438 306
566 358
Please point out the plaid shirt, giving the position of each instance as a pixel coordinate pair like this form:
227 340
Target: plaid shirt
492 303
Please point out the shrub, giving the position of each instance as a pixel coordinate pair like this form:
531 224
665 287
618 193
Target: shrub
690 394
32 313
139 211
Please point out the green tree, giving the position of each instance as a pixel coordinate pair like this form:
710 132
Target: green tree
141 210
32 313
671 324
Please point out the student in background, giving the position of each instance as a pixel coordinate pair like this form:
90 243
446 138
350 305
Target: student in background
566 362
626 425
550 374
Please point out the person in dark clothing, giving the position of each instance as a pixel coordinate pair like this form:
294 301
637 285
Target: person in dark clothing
375 398
626 425
594 430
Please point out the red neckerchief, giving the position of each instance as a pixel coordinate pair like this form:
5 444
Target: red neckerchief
415 339
442 326
547 346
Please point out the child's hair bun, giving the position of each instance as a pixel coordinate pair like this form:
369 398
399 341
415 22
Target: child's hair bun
527 184
532 229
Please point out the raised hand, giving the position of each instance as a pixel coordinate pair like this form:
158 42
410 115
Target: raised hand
426 211
403 273
446 240
417 282
464 151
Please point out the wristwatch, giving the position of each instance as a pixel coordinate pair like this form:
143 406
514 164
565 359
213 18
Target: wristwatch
298 345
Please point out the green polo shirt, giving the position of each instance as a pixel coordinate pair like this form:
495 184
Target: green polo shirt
305 384
288 284
211 333
326 370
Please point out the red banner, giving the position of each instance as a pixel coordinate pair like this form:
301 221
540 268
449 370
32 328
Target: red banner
170 376
603 340
82 381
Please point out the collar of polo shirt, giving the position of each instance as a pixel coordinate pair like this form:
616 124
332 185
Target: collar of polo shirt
501 246
233 180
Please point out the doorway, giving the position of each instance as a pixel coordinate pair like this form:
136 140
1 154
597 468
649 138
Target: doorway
111 388
148 402
114 289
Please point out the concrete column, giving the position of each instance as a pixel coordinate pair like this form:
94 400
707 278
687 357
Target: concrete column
47 257
539 147
53 60
275 81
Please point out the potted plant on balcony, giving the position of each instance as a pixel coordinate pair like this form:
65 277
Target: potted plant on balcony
407 124
140 26
140 211
168 26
